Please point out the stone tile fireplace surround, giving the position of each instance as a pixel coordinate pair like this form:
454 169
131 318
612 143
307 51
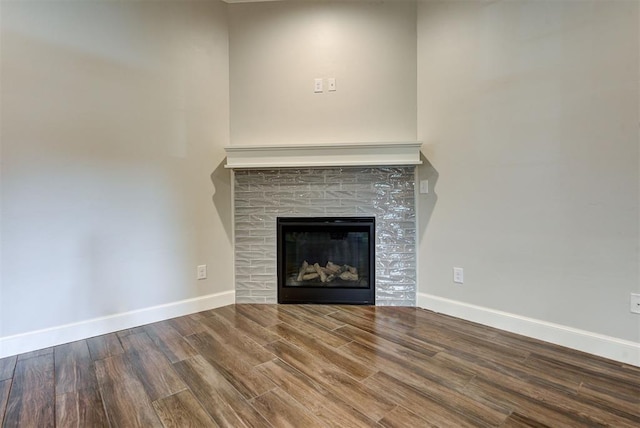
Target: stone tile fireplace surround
386 192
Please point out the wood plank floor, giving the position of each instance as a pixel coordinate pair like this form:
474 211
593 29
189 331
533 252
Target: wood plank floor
315 366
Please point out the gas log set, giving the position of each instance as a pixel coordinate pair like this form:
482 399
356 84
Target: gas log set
326 273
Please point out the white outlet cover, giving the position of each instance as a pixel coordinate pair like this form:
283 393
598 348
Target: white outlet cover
424 186
458 275
201 272
635 303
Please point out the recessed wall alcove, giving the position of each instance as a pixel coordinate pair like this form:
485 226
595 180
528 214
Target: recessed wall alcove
319 189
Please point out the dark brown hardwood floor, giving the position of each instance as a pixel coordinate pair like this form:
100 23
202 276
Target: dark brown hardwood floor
315 366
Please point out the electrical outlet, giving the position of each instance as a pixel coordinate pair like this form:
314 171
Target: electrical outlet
202 272
317 86
424 186
458 275
635 303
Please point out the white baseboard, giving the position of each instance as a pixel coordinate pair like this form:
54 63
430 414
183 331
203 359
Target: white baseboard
605 346
30 341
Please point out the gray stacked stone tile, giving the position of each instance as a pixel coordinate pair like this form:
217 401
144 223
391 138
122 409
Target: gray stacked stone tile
387 193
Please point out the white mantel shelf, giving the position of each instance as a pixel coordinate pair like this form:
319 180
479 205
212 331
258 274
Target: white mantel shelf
324 155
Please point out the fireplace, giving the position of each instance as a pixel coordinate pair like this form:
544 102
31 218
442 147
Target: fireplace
326 260
260 196
375 179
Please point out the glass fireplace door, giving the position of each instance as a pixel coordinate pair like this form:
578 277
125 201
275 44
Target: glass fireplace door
326 260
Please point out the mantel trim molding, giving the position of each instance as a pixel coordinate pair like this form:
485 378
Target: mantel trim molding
324 155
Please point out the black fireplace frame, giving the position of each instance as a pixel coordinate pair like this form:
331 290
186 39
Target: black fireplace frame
326 295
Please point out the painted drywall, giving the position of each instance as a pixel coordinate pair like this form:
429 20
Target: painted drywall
529 114
278 49
114 119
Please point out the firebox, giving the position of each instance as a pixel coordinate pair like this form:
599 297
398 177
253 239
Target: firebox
326 260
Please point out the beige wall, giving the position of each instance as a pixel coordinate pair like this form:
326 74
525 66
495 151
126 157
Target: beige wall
529 114
278 48
114 118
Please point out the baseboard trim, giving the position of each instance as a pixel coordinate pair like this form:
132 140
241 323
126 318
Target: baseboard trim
33 340
604 346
